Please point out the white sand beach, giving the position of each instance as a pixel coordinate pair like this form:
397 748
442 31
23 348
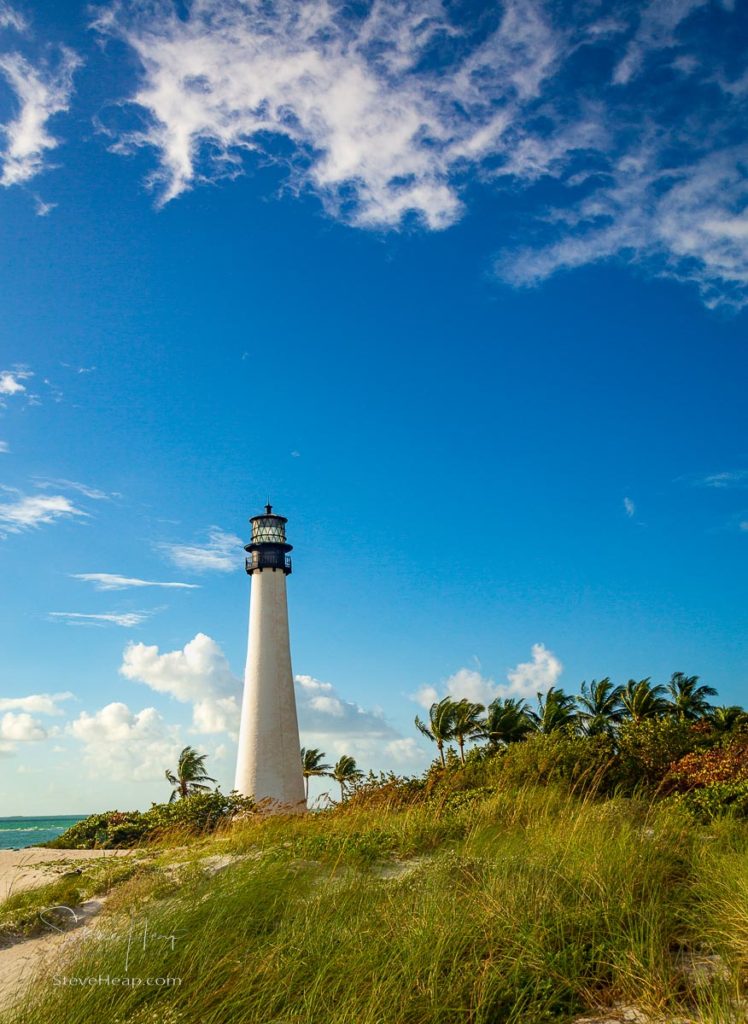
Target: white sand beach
34 866
29 868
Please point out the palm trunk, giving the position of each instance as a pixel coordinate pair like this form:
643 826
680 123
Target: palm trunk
440 745
342 793
461 743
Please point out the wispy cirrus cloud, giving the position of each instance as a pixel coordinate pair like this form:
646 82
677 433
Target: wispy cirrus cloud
123 619
388 110
111 581
731 478
4 447
657 30
220 553
11 19
42 88
27 512
629 507
73 485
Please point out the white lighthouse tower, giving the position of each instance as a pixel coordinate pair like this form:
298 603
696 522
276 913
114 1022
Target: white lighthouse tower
268 766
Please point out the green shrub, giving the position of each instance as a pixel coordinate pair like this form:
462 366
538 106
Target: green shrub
716 801
647 750
194 815
584 762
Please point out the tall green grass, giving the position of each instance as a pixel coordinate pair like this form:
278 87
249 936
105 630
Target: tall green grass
524 905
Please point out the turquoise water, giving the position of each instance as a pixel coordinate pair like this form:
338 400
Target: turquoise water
15 832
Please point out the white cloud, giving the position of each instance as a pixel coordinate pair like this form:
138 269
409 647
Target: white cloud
198 674
352 100
73 485
27 512
110 581
339 726
375 135
220 554
43 209
629 507
524 681
4 447
728 478
405 752
9 18
744 525
656 31
124 619
11 381
42 90
40 703
121 744
535 676
21 728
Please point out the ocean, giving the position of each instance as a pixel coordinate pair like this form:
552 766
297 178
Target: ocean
16 832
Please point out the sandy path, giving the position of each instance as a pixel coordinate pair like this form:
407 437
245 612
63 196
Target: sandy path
32 959
34 866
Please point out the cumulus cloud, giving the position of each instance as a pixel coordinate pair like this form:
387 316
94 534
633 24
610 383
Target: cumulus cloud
125 619
42 89
388 109
219 554
339 726
199 674
21 728
26 512
535 676
12 381
323 712
111 581
523 681
127 745
39 703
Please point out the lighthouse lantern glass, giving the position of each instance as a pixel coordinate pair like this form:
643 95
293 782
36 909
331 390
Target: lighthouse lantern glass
268 530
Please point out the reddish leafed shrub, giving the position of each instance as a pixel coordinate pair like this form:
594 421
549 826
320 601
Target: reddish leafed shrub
705 767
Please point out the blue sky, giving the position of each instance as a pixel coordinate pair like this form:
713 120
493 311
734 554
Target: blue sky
460 286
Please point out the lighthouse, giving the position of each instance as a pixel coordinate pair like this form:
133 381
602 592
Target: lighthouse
268 766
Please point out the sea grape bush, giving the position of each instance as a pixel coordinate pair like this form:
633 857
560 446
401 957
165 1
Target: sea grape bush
195 815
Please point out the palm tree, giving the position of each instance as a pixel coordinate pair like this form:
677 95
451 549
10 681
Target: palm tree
466 722
642 700
311 765
439 730
556 710
190 775
346 772
725 719
600 707
506 721
688 701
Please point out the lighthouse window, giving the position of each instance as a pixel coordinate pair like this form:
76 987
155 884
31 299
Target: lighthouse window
268 532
